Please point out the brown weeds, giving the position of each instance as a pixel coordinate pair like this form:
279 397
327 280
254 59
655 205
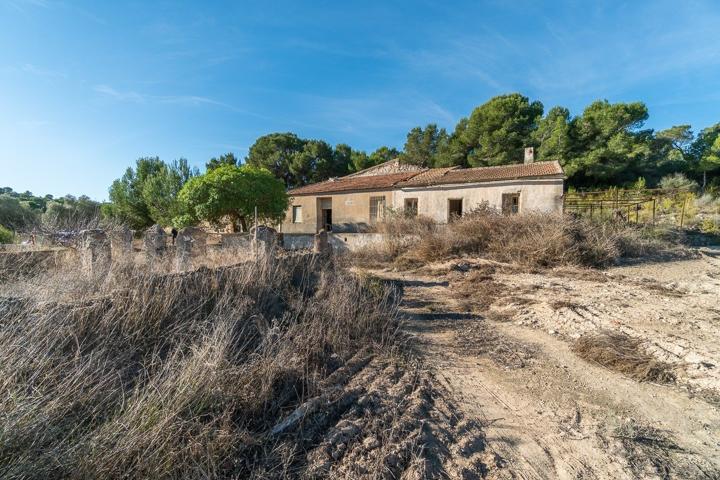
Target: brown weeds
624 354
149 375
532 239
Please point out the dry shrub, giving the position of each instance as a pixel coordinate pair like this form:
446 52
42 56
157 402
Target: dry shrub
624 354
534 239
178 375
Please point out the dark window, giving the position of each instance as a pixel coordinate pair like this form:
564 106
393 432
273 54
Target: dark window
454 208
411 207
297 214
510 203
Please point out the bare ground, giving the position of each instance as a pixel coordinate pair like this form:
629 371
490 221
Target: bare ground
501 340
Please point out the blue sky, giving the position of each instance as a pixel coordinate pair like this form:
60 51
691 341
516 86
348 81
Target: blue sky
87 87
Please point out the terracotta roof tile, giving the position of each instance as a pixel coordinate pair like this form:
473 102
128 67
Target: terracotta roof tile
346 184
483 174
432 176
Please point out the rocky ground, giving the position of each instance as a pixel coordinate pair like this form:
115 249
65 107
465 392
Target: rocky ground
504 342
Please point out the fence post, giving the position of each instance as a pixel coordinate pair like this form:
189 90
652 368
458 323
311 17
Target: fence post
682 213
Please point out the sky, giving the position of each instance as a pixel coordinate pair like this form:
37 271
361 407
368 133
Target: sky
87 87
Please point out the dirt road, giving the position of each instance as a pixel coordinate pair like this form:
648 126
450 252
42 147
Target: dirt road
501 340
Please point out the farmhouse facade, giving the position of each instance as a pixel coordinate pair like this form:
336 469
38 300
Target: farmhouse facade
354 203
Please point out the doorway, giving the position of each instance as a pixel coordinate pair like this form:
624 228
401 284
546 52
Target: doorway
455 208
327 219
324 214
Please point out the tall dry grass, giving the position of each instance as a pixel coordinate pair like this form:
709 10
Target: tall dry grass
535 239
150 375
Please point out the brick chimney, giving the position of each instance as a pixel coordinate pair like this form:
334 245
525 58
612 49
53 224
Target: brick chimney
529 154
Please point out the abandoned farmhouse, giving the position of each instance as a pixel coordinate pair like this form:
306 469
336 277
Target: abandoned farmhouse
355 202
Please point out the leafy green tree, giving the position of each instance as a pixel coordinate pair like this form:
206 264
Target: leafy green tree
313 163
230 192
553 135
275 152
361 160
423 145
608 147
148 193
706 151
15 214
127 203
160 190
6 235
226 159
497 131
671 151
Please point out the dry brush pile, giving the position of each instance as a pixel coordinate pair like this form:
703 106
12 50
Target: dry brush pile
173 375
533 239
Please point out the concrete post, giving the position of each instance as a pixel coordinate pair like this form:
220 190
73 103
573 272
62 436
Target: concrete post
264 240
321 244
191 245
121 241
95 256
154 242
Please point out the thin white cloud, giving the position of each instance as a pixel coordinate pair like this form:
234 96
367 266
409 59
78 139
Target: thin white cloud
42 72
131 96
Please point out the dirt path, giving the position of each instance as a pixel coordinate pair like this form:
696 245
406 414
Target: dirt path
548 413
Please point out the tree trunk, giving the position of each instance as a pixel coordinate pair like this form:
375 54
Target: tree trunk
704 180
243 223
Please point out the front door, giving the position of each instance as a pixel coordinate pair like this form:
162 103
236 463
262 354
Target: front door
324 214
327 219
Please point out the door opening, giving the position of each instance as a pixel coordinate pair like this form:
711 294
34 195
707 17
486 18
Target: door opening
327 219
454 208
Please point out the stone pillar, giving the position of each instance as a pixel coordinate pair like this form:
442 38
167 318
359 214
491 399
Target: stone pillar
154 242
95 254
121 241
191 246
264 240
321 244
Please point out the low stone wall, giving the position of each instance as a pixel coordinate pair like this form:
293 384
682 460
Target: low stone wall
341 242
24 263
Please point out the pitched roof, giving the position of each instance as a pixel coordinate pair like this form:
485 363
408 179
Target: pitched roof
432 176
346 184
440 176
387 168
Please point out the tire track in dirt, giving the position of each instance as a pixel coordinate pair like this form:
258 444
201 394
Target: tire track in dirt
558 416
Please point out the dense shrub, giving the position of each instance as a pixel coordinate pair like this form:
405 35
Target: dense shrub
6 236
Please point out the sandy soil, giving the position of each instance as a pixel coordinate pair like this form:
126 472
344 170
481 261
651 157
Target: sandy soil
500 339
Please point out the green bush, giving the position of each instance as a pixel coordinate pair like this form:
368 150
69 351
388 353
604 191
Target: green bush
6 236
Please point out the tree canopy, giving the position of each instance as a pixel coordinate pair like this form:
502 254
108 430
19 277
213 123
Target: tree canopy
230 192
148 193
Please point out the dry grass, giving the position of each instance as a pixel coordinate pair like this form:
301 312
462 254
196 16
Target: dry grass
148 375
531 239
624 354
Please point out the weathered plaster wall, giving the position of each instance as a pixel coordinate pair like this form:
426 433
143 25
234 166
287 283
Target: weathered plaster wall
540 195
340 242
350 212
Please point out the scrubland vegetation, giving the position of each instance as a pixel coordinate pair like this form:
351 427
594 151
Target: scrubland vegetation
530 239
176 375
